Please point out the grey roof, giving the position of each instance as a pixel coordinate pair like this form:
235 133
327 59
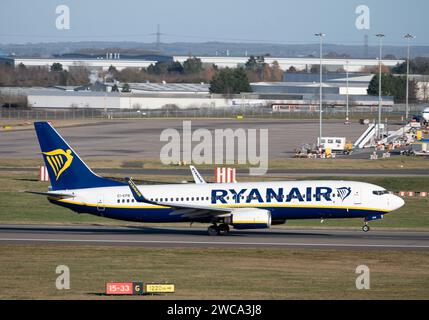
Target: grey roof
169 87
327 77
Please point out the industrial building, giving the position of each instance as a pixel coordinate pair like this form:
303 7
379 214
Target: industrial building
121 61
299 92
169 88
60 99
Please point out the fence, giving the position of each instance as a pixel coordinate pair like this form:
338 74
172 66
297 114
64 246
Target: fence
248 112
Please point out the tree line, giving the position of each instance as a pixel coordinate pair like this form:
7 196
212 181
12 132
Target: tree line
23 76
224 81
394 81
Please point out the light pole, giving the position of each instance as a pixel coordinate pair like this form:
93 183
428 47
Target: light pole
321 35
380 36
347 94
408 37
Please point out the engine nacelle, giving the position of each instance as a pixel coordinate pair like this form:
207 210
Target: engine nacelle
250 219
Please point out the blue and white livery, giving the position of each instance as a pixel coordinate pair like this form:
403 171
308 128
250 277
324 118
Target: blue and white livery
240 205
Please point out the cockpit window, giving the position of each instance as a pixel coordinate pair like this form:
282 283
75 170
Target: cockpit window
380 193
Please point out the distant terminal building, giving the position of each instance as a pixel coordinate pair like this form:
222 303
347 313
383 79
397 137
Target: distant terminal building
117 60
305 87
168 88
422 86
300 64
309 83
121 61
298 92
57 98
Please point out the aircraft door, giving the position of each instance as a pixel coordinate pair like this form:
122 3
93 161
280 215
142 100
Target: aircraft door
357 196
100 204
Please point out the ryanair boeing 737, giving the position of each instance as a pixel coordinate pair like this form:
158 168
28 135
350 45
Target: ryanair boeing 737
250 205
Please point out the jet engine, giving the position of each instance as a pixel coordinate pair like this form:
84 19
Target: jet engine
250 219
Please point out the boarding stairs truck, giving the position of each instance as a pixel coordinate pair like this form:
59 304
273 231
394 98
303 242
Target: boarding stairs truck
404 134
367 139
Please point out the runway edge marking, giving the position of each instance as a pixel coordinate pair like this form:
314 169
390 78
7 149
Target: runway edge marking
217 243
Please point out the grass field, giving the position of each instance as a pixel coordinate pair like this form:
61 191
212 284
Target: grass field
20 207
396 163
28 272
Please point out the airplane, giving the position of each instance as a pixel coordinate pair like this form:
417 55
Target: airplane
425 116
251 205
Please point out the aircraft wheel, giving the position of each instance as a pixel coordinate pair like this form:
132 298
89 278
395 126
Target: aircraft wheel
366 228
213 231
223 229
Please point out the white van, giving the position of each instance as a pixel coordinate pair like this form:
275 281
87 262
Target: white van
337 145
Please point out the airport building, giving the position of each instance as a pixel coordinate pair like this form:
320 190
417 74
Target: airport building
60 99
298 92
122 61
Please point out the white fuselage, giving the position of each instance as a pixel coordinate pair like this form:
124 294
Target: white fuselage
285 200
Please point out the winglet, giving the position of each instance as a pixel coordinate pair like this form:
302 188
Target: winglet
138 196
197 176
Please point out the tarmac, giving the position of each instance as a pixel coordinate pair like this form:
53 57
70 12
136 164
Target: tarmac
196 237
141 138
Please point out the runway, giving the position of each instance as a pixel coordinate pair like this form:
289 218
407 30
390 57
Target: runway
196 237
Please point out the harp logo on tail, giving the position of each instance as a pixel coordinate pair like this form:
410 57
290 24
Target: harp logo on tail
59 160
344 193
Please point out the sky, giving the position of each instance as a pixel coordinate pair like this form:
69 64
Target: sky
270 21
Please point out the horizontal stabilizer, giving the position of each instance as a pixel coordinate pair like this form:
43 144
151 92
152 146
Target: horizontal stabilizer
52 195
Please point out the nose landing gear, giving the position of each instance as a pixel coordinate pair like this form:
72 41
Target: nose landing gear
366 227
375 217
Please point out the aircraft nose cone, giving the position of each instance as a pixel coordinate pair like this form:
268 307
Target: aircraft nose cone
396 203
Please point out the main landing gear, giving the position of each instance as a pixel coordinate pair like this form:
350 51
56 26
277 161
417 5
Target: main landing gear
218 230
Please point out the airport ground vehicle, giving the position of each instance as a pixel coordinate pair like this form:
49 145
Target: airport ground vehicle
336 145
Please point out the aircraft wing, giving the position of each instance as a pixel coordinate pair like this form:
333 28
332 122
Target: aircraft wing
184 210
197 176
